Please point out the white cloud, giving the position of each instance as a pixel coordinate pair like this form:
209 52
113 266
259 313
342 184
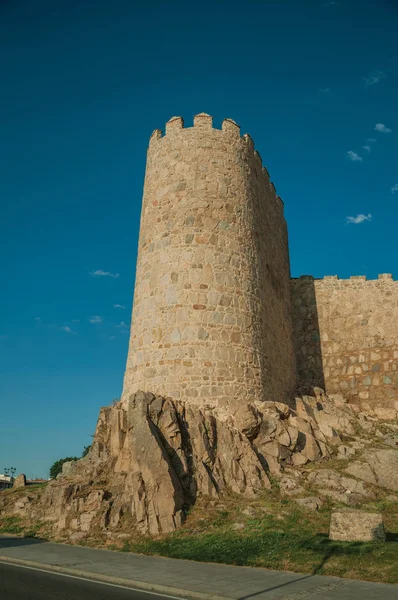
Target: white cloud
118 306
373 78
68 330
101 273
371 140
359 219
38 319
367 148
382 128
324 90
75 320
394 188
124 328
95 319
354 156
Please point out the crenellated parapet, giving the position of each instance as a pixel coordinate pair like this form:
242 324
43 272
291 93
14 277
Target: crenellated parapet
351 281
230 131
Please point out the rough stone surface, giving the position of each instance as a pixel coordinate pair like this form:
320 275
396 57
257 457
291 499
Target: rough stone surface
346 338
19 481
356 526
152 458
310 503
340 488
211 315
67 467
378 467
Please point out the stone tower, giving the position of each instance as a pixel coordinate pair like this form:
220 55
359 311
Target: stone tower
211 316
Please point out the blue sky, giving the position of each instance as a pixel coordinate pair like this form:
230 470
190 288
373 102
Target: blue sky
83 84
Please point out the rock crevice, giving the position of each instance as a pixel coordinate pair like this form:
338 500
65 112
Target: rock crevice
151 458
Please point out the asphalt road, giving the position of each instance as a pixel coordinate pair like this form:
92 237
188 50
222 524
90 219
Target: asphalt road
21 583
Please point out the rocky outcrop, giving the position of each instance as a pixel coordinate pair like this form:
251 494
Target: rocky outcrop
19 481
152 457
378 467
340 488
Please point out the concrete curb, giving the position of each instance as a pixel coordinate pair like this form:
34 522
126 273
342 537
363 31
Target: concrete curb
129 583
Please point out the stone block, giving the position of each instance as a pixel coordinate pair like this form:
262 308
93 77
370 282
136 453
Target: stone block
356 526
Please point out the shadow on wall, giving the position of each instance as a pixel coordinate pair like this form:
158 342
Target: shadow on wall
306 333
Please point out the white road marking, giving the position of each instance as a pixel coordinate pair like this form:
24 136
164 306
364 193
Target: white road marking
115 585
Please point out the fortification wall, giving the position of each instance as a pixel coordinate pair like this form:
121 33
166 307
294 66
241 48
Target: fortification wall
211 315
346 336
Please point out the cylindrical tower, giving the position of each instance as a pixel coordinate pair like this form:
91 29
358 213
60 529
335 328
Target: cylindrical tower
211 316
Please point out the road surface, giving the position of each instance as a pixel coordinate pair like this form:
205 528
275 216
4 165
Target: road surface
22 583
164 578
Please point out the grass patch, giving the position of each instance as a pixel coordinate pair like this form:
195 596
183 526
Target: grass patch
11 525
17 526
279 536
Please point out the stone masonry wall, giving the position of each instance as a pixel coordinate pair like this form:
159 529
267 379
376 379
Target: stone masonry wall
346 336
211 315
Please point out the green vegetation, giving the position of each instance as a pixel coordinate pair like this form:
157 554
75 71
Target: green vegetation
18 526
56 467
278 535
86 450
11 525
9 471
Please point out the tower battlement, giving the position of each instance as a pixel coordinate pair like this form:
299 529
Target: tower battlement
211 313
231 132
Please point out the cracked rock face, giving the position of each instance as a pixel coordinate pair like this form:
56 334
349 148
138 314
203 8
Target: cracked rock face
378 467
152 457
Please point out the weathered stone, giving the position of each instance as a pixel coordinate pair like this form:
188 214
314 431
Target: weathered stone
342 497
249 511
247 420
356 526
289 486
356 351
344 452
298 459
68 467
328 478
21 505
19 481
154 457
310 503
391 498
378 467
